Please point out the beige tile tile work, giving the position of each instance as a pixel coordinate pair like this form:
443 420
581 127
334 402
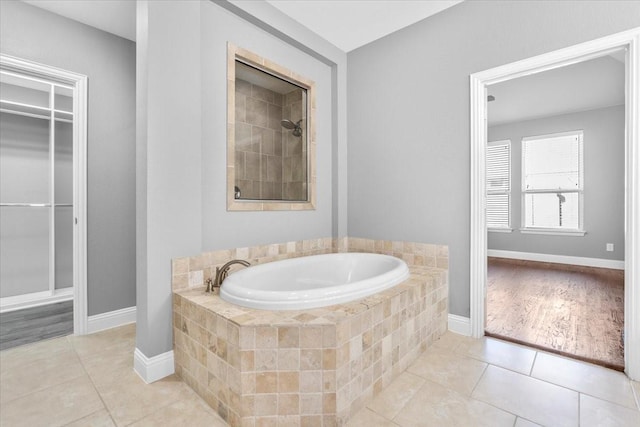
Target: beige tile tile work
80 386
435 395
321 364
193 271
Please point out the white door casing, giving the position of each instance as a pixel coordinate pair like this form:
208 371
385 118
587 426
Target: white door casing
630 41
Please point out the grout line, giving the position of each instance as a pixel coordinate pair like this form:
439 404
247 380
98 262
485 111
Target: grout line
535 358
479 379
579 417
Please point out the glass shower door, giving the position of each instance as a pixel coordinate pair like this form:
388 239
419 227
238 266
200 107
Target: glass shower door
36 190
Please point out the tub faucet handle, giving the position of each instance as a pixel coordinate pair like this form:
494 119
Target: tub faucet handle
209 283
223 272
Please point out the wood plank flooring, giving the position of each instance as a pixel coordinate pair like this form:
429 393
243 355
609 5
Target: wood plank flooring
35 324
570 310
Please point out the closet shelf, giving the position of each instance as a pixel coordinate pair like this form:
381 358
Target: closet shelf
36 205
34 111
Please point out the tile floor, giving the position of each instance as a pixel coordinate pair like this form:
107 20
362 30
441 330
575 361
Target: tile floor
459 381
89 381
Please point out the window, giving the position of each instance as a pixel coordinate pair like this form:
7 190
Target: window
498 185
552 182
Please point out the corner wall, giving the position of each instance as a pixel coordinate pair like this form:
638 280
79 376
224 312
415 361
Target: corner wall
181 144
408 108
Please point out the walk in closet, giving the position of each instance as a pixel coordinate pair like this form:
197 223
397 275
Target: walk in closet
37 190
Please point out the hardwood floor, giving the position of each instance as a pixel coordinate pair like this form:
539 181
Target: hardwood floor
570 310
35 324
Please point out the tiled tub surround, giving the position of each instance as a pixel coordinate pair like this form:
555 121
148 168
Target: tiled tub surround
313 367
192 272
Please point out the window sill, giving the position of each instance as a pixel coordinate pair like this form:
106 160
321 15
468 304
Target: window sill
552 232
500 230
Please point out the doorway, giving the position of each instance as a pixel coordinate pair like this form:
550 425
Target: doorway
42 202
555 210
630 41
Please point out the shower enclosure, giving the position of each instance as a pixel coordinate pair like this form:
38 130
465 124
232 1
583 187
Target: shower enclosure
41 183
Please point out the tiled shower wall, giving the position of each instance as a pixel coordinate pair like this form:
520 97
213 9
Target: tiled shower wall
294 166
258 141
270 161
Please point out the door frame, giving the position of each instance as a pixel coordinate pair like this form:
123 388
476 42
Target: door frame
629 40
79 83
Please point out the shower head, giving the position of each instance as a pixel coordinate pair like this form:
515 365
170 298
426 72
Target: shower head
288 124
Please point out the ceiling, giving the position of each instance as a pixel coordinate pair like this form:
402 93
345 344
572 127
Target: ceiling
113 16
354 23
331 19
597 83
349 24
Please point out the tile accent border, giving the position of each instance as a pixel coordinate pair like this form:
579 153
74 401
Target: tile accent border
111 319
152 369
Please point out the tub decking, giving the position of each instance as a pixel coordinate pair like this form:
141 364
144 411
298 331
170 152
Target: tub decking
309 367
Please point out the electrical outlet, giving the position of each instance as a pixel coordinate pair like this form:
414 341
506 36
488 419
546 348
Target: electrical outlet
609 247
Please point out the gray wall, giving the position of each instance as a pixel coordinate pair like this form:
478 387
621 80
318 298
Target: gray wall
603 185
109 62
408 109
222 229
181 149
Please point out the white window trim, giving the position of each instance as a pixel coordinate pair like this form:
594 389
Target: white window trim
580 231
508 228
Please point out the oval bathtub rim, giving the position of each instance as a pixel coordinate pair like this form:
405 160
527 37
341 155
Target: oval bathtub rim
276 300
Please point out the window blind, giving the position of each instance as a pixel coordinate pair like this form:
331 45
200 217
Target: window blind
552 181
498 171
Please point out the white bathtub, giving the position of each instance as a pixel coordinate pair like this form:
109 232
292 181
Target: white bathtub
313 281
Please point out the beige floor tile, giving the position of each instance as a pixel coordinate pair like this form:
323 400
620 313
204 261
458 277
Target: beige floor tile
55 406
527 397
108 366
636 387
130 399
396 395
584 377
368 418
521 422
192 413
435 405
600 413
87 345
452 341
13 358
459 373
29 378
501 353
97 419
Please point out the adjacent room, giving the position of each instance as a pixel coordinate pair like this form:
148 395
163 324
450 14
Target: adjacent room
319 213
555 208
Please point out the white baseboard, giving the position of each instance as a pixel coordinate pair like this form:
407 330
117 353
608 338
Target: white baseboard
558 259
460 325
152 369
111 319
